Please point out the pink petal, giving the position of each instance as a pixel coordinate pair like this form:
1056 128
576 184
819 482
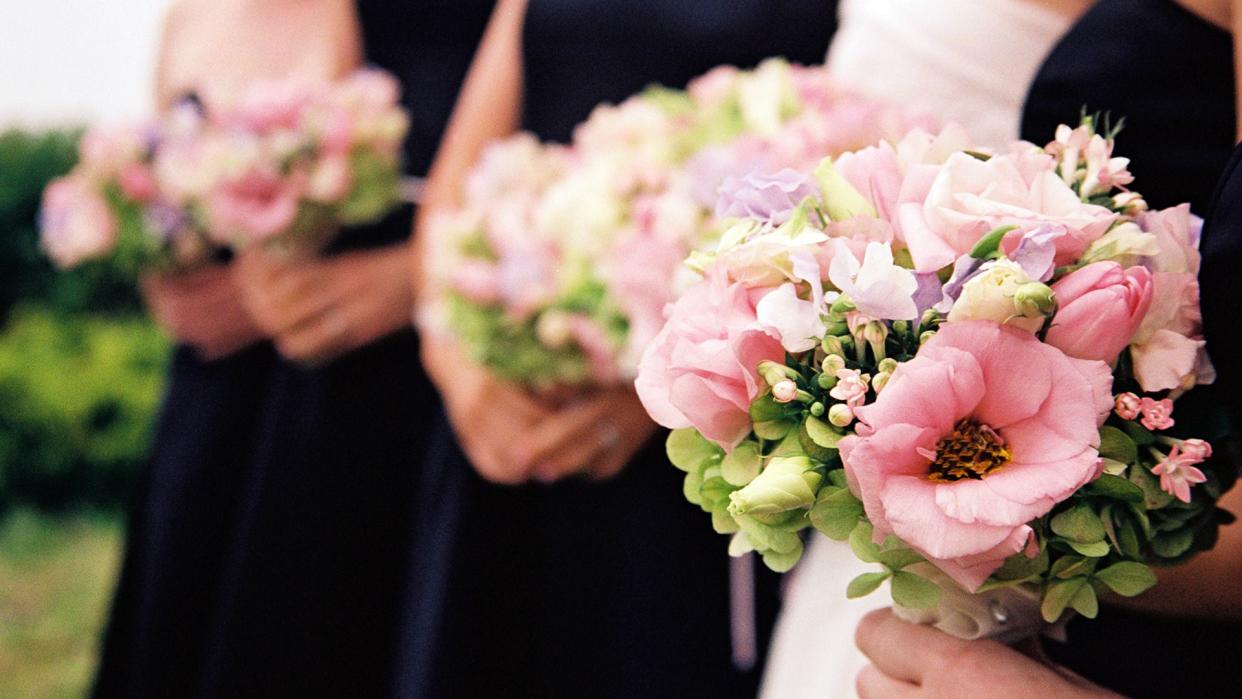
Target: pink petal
909 503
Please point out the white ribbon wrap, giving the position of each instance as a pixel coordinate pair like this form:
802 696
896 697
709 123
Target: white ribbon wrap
1007 614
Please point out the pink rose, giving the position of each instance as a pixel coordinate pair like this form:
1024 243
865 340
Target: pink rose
1101 308
701 370
970 197
138 183
256 206
986 429
75 221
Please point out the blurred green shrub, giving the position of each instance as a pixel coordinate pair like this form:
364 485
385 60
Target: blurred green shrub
81 370
77 399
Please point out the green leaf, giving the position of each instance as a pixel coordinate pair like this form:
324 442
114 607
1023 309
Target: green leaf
1019 567
841 200
1173 544
782 562
1079 524
837 478
989 244
1058 596
836 513
811 447
1095 549
1127 537
688 449
865 584
1153 497
1141 435
740 545
1128 578
1116 487
1085 602
914 591
821 433
1117 445
864 547
1070 566
766 409
773 430
741 465
899 558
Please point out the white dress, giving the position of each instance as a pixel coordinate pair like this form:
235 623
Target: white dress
968 61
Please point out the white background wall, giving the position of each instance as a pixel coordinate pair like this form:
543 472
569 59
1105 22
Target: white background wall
73 61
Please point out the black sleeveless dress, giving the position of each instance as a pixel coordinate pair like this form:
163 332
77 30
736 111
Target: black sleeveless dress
302 596
1170 74
620 588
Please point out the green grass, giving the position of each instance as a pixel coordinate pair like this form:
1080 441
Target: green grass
56 580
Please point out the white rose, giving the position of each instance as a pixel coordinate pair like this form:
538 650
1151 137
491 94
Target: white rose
989 296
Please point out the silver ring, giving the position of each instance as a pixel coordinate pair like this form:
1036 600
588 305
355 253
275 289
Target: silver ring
608 436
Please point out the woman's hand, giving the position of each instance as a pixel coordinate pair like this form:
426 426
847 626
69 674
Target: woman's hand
512 437
912 660
202 309
320 308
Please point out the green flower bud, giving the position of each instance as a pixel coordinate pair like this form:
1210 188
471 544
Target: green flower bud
930 317
831 345
817 409
901 327
875 333
840 415
879 381
927 335
826 381
832 364
888 365
779 487
837 327
1035 300
775 372
843 305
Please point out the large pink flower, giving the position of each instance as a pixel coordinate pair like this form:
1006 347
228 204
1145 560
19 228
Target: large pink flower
700 371
1022 419
970 197
256 206
1102 306
76 222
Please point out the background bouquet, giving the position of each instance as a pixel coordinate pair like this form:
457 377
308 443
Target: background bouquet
287 165
965 363
561 259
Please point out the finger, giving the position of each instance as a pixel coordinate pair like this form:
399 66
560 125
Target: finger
903 650
609 463
873 684
570 433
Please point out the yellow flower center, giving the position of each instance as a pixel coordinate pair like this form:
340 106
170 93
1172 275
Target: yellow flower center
971 451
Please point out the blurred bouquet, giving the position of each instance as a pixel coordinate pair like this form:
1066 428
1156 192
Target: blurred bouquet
963 362
287 165
560 261
111 205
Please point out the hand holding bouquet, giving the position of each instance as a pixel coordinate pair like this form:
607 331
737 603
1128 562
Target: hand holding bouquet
560 261
965 363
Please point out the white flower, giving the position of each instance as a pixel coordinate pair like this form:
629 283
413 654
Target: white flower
877 287
989 296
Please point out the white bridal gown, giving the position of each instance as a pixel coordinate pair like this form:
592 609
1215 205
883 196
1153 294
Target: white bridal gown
968 61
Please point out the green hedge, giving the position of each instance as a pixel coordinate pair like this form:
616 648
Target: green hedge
81 370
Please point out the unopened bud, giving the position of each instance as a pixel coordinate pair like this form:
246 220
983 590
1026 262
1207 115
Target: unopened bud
927 335
784 391
774 372
826 381
817 409
832 364
888 365
1197 449
1034 300
842 305
840 415
879 381
837 327
901 327
831 345
930 316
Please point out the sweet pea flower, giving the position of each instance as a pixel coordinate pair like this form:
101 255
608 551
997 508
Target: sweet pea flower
767 197
1178 473
1157 414
1082 149
1101 308
877 287
970 198
701 371
1127 406
75 221
984 430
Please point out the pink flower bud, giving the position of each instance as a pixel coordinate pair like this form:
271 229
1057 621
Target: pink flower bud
1197 449
784 391
1157 414
1101 308
1127 406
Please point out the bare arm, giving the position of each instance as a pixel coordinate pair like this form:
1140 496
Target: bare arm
1235 25
488 107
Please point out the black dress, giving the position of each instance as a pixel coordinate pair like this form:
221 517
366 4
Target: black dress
303 595
1170 74
614 589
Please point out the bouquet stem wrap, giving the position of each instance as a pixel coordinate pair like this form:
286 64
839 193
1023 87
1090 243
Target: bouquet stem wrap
1005 614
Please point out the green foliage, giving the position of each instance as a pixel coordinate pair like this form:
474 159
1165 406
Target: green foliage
77 396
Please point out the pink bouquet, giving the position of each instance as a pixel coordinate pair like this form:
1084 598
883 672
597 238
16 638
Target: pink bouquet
560 261
112 204
963 362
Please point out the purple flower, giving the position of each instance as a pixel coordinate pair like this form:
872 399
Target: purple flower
1037 251
771 198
